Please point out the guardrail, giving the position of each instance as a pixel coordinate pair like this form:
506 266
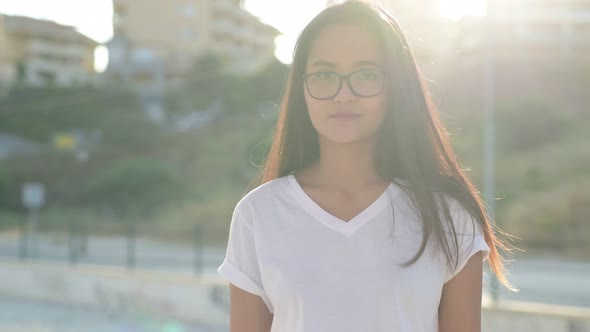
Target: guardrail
206 300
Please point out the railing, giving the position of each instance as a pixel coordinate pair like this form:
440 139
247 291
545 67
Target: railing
131 245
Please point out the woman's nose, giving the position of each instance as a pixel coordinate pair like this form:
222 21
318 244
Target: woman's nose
345 94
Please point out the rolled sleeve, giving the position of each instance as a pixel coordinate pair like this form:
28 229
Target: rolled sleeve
474 245
240 266
470 238
240 279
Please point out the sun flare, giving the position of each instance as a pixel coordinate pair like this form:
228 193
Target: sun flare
457 9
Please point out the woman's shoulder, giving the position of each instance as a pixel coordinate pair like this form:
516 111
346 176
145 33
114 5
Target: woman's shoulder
463 220
263 193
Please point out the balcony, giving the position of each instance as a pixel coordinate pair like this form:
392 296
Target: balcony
224 7
117 3
38 46
55 65
223 26
541 14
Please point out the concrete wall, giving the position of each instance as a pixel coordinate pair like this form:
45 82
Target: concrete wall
189 298
534 317
114 289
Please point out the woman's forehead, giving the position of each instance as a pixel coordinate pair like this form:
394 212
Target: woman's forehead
345 46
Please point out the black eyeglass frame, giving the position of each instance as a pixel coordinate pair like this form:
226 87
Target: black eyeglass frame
346 78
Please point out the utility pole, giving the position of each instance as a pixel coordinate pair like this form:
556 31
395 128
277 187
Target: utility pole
489 126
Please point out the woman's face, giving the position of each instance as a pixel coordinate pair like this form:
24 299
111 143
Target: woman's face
355 112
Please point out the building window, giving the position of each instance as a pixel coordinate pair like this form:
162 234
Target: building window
47 77
580 6
118 16
143 77
581 31
21 72
144 55
187 9
187 34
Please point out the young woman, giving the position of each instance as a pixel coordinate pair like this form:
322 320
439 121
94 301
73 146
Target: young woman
363 220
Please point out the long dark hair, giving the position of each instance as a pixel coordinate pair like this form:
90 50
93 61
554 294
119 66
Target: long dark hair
412 144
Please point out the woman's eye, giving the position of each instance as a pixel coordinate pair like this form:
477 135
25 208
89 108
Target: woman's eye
369 75
326 75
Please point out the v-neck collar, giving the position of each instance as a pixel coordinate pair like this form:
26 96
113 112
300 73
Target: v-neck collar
345 227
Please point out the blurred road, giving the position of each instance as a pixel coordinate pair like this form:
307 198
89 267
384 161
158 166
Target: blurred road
550 281
540 280
18 315
113 251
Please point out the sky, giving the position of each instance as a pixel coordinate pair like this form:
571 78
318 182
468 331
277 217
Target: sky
93 17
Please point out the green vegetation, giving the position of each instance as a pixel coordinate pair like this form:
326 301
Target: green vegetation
542 153
168 182
39 113
539 184
134 186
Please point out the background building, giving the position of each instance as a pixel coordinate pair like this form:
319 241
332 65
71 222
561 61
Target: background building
521 28
534 28
421 24
241 37
39 52
158 41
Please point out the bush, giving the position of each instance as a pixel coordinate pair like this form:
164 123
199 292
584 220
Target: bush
135 186
209 83
529 125
554 219
3 187
129 128
38 113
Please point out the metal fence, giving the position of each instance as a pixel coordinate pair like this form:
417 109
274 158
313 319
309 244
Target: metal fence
129 245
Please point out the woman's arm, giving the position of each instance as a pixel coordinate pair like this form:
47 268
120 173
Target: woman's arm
460 305
247 313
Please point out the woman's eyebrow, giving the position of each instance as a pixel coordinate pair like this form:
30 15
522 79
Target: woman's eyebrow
367 63
323 63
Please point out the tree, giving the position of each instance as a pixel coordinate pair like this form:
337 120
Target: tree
207 83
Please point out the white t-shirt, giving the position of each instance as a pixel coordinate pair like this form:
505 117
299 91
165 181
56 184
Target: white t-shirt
317 273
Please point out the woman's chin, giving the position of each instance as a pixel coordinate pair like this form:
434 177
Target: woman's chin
345 138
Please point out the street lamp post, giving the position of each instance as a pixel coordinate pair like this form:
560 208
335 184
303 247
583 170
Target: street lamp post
489 127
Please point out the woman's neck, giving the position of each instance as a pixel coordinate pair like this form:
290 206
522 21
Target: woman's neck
345 166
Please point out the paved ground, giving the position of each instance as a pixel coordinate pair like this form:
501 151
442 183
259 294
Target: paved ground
19 315
553 281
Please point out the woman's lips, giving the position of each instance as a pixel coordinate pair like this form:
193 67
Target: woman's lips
345 116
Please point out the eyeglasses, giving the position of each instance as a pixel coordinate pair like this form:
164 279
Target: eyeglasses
362 83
